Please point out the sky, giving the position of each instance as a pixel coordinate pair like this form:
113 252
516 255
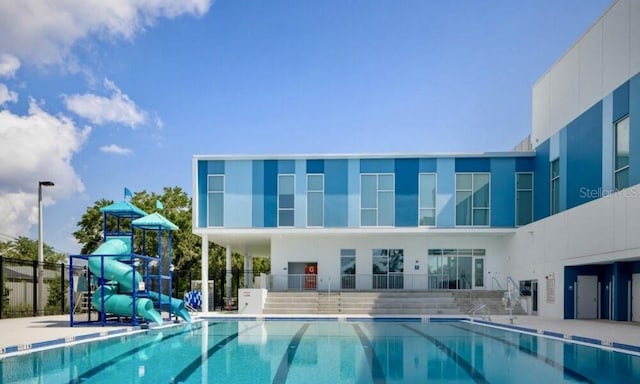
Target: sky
101 95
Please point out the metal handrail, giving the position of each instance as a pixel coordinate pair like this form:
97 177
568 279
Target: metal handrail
475 309
494 279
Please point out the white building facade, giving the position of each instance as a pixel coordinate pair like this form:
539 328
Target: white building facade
561 220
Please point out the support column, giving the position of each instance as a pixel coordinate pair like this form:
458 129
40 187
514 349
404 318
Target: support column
250 262
247 282
205 273
229 276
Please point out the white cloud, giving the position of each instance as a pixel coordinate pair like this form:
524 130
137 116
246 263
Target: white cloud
9 65
115 149
7 95
36 146
118 108
44 31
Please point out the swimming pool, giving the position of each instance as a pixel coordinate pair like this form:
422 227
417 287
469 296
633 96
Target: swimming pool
307 351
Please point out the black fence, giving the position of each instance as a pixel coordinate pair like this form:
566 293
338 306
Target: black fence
24 294
22 297
184 281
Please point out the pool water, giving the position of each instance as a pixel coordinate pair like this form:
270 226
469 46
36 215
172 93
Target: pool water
324 352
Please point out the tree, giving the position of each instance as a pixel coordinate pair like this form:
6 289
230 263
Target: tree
56 294
91 227
186 247
24 248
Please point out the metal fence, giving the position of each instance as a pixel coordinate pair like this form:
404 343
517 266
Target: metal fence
23 294
363 282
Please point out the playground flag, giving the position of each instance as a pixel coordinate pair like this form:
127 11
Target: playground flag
127 193
159 205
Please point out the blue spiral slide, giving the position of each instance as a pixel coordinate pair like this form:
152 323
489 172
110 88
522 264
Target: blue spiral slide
129 279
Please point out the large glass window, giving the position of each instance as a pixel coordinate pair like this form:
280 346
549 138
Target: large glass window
472 198
427 213
524 198
456 268
286 200
377 200
215 200
388 267
621 172
348 268
555 186
315 200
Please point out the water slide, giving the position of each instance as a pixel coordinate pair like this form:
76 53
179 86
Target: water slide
129 279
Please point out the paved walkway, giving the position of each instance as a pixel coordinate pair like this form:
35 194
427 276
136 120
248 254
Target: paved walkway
35 332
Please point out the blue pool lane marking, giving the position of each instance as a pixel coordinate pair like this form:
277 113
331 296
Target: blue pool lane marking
372 359
287 359
106 364
462 363
547 360
197 362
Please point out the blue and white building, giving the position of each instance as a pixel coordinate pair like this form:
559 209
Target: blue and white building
560 215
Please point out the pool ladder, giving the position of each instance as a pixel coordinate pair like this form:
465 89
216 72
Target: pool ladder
480 307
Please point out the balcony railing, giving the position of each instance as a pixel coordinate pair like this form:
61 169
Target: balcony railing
361 282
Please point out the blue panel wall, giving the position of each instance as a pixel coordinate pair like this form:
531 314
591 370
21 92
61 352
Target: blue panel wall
406 208
377 166
271 193
300 204
446 200
563 169
238 194
525 164
473 164
336 192
216 167
315 166
354 192
584 157
634 132
621 101
286 167
503 186
428 165
607 144
257 186
541 181
202 193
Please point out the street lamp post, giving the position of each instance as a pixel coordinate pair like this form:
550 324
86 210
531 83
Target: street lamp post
41 247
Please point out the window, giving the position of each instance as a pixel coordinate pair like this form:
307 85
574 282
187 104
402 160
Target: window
387 268
377 200
472 198
621 172
215 200
427 210
315 200
555 186
285 200
524 198
348 268
456 268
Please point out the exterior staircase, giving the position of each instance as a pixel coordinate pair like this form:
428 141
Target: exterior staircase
400 302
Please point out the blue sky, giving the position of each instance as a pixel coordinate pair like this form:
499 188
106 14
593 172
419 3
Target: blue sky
98 96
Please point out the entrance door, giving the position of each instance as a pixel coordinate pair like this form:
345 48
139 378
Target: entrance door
534 297
635 297
587 305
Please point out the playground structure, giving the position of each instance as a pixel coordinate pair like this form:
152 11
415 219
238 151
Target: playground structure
120 285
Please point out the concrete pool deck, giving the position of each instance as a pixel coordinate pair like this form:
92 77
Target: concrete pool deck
36 332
